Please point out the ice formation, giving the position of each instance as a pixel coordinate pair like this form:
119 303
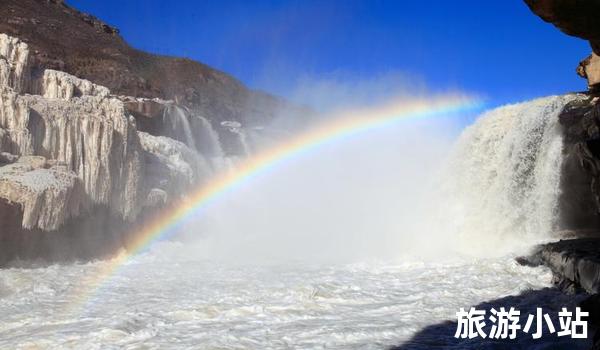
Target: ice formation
67 145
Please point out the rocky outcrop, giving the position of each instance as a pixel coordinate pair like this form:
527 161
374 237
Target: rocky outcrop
577 18
110 133
96 135
575 263
48 194
172 167
91 135
14 63
56 84
589 69
95 139
580 178
71 155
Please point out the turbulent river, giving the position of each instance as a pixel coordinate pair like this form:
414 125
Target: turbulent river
161 301
352 250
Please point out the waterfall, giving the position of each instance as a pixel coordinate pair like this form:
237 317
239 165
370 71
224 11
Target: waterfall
502 182
244 142
198 134
177 118
207 139
209 144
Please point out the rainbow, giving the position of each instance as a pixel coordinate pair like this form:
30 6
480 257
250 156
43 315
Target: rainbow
336 127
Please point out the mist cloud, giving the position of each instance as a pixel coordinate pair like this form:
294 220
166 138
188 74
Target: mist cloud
342 90
351 200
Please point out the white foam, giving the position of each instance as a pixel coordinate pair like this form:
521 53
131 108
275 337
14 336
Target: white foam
166 299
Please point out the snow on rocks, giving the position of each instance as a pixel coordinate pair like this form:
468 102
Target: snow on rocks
57 84
67 144
14 67
172 165
48 194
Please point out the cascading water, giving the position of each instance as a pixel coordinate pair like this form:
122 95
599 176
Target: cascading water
207 138
235 128
209 144
177 119
501 185
244 142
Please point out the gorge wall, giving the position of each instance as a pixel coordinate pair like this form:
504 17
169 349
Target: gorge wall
575 259
580 179
95 136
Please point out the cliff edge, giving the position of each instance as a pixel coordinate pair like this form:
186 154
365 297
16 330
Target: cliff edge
96 136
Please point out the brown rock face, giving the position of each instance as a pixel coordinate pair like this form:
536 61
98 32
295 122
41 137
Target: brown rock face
65 39
589 69
574 17
577 18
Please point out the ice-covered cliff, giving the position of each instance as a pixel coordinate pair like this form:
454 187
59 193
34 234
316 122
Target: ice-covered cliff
69 149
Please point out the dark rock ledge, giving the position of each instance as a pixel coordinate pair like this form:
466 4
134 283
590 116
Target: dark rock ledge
574 262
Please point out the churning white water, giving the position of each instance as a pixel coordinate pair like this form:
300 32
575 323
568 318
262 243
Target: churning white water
163 301
500 189
348 249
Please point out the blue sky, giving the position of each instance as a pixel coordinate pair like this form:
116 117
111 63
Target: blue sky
496 48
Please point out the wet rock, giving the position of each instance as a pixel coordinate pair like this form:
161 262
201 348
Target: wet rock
531 260
574 262
156 198
8 158
579 201
145 107
171 166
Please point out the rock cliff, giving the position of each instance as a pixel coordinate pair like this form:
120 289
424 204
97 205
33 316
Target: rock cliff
575 259
72 156
96 135
580 119
75 124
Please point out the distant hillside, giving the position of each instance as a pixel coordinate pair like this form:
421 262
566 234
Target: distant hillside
65 39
